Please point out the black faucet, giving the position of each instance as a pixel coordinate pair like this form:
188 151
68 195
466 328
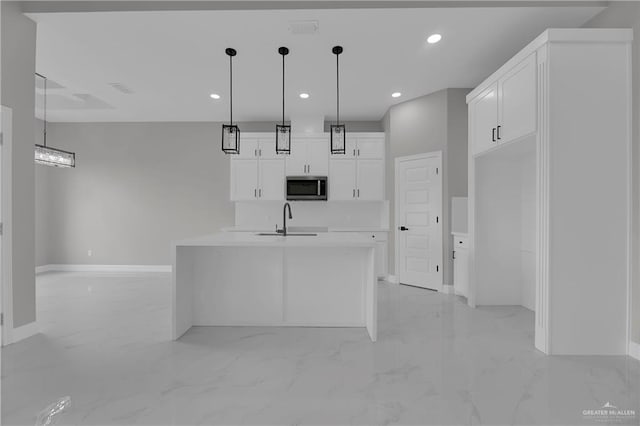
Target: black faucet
283 231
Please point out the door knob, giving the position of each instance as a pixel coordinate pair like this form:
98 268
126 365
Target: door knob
403 228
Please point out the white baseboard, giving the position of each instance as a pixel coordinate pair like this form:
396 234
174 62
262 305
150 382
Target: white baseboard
634 350
103 268
20 333
392 279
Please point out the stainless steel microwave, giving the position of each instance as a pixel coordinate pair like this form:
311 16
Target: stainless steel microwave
306 188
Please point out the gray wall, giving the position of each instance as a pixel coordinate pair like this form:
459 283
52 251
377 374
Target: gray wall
627 15
18 47
435 122
136 187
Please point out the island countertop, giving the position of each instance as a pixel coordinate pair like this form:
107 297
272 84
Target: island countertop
252 239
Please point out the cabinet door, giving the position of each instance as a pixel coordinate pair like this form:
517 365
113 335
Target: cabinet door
248 148
271 179
296 161
461 272
318 157
244 179
370 148
381 259
370 180
342 180
267 149
517 96
484 118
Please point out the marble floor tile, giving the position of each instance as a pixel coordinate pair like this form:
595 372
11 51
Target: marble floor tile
105 342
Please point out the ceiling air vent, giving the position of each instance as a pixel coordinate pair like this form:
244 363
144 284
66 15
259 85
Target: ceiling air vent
121 88
304 27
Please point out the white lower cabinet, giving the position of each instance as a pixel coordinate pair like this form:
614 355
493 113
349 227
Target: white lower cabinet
460 265
382 253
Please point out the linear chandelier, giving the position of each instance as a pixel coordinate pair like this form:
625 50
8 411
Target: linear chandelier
46 155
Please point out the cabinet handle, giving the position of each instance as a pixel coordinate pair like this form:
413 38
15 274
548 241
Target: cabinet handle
260 193
255 193
454 254
498 132
493 134
309 168
354 193
255 152
260 152
358 152
358 193
354 152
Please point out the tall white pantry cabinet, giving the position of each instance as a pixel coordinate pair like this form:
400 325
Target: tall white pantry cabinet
550 189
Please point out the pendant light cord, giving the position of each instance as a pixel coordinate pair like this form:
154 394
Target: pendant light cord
337 89
283 90
231 90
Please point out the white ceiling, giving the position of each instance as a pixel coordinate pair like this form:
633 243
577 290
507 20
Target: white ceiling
172 61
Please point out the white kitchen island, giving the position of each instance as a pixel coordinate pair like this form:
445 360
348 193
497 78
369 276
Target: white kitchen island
245 279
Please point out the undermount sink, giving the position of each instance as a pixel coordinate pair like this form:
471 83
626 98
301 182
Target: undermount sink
289 234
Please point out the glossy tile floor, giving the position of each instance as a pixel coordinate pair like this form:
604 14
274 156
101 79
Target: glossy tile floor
105 343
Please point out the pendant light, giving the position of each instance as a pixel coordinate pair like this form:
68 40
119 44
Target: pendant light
283 131
230 132
337 130
46 155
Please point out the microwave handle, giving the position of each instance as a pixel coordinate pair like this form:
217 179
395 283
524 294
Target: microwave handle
319 187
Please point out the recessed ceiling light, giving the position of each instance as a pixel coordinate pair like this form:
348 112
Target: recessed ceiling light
396 94
434 38
214 96
304 95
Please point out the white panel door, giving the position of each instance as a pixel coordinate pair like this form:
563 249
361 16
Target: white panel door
296 161
271 179
318 157
419 214
244 180
370 180
484 120
248 148
372 148
342 180
517 95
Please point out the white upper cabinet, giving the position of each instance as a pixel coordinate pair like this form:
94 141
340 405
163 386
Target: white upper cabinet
257 173
358 175
342 180
517 96
506 109
244 179
363 146
370 180
309 157
483 114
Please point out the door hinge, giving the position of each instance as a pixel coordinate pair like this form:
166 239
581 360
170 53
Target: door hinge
1 138
2 319
1 228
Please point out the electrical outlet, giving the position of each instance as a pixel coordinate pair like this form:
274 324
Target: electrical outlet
89 252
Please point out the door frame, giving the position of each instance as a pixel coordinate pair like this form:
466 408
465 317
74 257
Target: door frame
396 239
6 290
